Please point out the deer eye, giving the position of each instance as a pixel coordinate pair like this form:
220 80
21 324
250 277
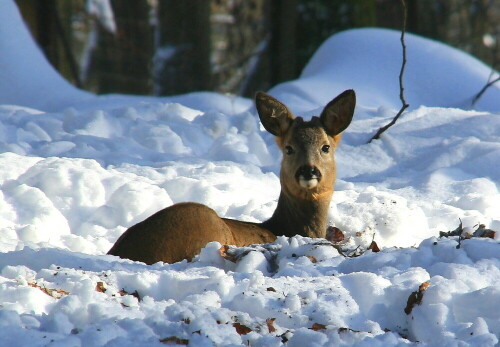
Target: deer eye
325 148
289 150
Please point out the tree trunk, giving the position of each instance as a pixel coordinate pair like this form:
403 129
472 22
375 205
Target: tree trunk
122 61
182 58
283 40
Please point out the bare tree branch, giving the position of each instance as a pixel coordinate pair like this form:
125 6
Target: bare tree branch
493 71
481 92
401 73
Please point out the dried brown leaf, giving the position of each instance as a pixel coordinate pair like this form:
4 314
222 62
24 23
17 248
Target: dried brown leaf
334 234
489 233
312 259
55 293
374 247
416 297
100 287
318 326
174 340
481 231
223 251
135 294
241 329
270 325
424 286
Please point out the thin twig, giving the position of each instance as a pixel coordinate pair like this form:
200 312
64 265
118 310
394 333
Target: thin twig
401 73
490 82
481 92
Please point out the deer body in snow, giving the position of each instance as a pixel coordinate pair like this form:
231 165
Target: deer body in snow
307 178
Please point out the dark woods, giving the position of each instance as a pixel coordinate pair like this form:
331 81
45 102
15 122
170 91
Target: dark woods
164 47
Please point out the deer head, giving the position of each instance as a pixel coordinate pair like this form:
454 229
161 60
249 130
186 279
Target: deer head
308 166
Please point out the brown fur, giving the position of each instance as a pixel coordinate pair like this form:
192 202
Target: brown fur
180 231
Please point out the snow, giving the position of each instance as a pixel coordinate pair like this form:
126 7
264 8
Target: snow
76 170
435 75
103 11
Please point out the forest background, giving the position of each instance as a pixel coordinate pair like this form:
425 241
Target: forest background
168 47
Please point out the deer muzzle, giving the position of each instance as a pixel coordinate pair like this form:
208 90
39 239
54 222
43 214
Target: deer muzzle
308 176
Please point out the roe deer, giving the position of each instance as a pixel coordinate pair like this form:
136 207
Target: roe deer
307 179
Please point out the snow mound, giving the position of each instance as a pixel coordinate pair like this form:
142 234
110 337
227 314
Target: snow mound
369 61
26 77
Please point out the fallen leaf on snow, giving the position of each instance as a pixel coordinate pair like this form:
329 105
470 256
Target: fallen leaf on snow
270 324
416 297
334 234
481 231
241 329
223 251
318 326
312 259
55 293
100 287
174 340
374 247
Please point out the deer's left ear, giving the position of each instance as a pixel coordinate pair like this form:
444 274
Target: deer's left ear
337 115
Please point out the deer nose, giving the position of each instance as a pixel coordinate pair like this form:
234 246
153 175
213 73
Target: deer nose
307 172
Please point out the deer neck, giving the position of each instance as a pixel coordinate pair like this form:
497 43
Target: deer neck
305 216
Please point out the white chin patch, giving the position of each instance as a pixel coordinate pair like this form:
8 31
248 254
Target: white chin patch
308 184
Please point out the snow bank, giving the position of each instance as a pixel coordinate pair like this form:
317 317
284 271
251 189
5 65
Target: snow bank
25 74
74 181
369 61
311 293
144 134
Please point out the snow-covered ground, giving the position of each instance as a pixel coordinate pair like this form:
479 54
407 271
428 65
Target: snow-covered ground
76 170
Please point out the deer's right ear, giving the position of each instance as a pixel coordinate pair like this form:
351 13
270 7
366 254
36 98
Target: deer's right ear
337 115
275 116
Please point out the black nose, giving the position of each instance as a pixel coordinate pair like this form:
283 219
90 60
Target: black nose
308 172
